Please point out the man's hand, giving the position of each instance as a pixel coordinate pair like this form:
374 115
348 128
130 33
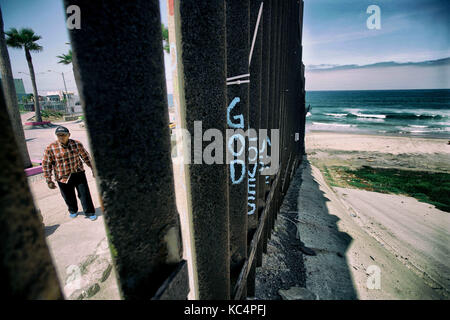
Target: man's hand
51 185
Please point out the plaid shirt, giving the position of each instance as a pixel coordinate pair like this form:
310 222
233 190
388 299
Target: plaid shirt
64 160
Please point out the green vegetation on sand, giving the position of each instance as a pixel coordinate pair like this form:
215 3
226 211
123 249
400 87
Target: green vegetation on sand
429 187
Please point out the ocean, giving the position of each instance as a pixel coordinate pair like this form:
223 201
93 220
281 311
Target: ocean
414 113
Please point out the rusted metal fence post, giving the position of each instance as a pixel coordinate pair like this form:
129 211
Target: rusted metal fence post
272 103
289 105
26 267
279 101
256 23
285 156
119 55
238 48
299 79
276 96
203 45
265 109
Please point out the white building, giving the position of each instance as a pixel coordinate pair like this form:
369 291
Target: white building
73 101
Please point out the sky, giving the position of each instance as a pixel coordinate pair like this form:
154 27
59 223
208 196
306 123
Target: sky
47 19
334 34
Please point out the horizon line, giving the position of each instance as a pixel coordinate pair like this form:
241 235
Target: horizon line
322 90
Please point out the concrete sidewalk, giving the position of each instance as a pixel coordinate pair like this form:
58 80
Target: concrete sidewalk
25 116
78 246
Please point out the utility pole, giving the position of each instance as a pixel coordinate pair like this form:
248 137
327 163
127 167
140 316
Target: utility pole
65 88
67 93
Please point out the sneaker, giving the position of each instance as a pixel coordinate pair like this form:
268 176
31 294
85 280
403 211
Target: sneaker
92 218
73 215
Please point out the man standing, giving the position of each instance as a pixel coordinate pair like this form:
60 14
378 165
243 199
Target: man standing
64 157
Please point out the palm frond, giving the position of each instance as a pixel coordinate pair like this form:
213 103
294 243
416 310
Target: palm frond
12 32
27 33
23 38
65 58
34 47
165 32
13 38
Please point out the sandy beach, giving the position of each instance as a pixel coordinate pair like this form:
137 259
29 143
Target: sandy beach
406 238
375 143
376 150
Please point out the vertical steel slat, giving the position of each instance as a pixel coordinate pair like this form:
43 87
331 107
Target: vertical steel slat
238 32
118 52
265 107
27 270
203 45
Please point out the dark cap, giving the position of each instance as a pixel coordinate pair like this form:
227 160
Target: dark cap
61 129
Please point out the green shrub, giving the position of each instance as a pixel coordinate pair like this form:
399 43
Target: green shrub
430 187
51 114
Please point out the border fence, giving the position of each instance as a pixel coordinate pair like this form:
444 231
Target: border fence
225 49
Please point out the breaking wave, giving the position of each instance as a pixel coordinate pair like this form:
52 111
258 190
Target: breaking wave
400 116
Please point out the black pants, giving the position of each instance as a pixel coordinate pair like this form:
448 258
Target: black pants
77 181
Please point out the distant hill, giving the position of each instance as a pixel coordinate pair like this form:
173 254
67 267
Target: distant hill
428 63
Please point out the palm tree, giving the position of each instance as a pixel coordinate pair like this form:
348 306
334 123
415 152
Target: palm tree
65 58
68 59
26 39
165 36
11 98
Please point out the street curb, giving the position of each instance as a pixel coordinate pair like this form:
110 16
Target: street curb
38 125
33 171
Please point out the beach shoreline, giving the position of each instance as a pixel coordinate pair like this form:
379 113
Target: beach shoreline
394 144
409 113
376 133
